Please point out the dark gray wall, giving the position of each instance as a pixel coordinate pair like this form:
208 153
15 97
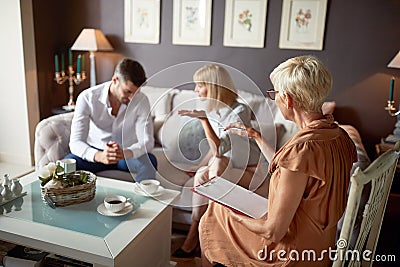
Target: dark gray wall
360 39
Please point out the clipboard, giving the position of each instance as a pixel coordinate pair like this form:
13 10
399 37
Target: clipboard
233 196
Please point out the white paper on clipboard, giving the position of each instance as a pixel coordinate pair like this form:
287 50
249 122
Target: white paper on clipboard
233 196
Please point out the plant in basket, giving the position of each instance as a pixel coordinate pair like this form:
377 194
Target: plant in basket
53 176
63 189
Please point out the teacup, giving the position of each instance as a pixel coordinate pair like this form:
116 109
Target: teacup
115 203
69 165
149 186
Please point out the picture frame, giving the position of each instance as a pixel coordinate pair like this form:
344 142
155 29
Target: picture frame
191 22
142 21
245 22
303 24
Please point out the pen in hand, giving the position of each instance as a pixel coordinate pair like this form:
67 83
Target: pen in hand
231 128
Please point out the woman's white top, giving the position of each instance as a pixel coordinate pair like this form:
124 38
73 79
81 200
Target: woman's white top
242 150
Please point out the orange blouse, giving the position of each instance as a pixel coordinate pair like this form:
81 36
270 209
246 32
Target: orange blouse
326 154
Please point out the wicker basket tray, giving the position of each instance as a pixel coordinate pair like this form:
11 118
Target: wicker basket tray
72 195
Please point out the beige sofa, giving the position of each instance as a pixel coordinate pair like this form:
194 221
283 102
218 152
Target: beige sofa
177 138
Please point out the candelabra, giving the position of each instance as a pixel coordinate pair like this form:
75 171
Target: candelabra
391 109
72 79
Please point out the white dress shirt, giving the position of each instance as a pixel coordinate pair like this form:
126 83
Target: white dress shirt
93 125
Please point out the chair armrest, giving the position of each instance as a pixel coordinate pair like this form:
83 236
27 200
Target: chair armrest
52 139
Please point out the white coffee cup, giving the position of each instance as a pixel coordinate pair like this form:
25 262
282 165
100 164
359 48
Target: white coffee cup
69 165
115 203
150 186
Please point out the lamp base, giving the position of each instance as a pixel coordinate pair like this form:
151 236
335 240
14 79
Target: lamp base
92 69
393 138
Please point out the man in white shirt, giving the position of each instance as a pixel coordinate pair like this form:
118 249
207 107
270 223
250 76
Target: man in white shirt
112 128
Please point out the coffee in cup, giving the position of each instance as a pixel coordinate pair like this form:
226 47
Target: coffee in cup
115 203
150 186
69 165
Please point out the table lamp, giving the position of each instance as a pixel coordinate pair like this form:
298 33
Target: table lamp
394 63
92 40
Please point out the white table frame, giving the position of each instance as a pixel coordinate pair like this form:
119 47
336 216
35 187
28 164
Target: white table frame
144 239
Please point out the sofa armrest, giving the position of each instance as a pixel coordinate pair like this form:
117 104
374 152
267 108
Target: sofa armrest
52 139
362 157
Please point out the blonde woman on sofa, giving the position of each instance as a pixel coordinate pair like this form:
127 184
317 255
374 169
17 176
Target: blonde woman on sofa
215 85
308 186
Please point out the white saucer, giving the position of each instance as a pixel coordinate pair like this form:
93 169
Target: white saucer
137 190
104 211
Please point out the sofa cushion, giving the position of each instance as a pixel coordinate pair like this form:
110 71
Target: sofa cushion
160 101
171 174
258 104
187 99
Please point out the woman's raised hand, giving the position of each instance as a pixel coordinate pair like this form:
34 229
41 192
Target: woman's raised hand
241 129
193 113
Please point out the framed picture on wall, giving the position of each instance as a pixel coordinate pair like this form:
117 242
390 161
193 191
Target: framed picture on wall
142 21
244 24
191 22
303 24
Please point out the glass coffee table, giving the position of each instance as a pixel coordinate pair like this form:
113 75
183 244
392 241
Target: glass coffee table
142 237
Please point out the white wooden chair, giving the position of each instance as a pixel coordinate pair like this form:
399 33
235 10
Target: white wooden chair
380 173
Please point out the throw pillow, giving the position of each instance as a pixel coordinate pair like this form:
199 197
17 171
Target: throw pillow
183 139
160 101
192 140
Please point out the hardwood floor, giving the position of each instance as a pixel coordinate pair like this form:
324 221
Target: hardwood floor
177 240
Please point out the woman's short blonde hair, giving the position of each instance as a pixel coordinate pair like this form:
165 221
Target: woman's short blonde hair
219 85
306 79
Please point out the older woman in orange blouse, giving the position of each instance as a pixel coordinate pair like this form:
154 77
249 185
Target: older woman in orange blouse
309 179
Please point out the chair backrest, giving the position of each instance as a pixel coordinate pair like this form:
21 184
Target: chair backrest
380 174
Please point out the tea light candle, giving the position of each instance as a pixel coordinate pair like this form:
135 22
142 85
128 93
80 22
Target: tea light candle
56 62
391 89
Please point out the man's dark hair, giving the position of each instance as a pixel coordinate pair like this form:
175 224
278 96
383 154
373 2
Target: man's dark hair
130 70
